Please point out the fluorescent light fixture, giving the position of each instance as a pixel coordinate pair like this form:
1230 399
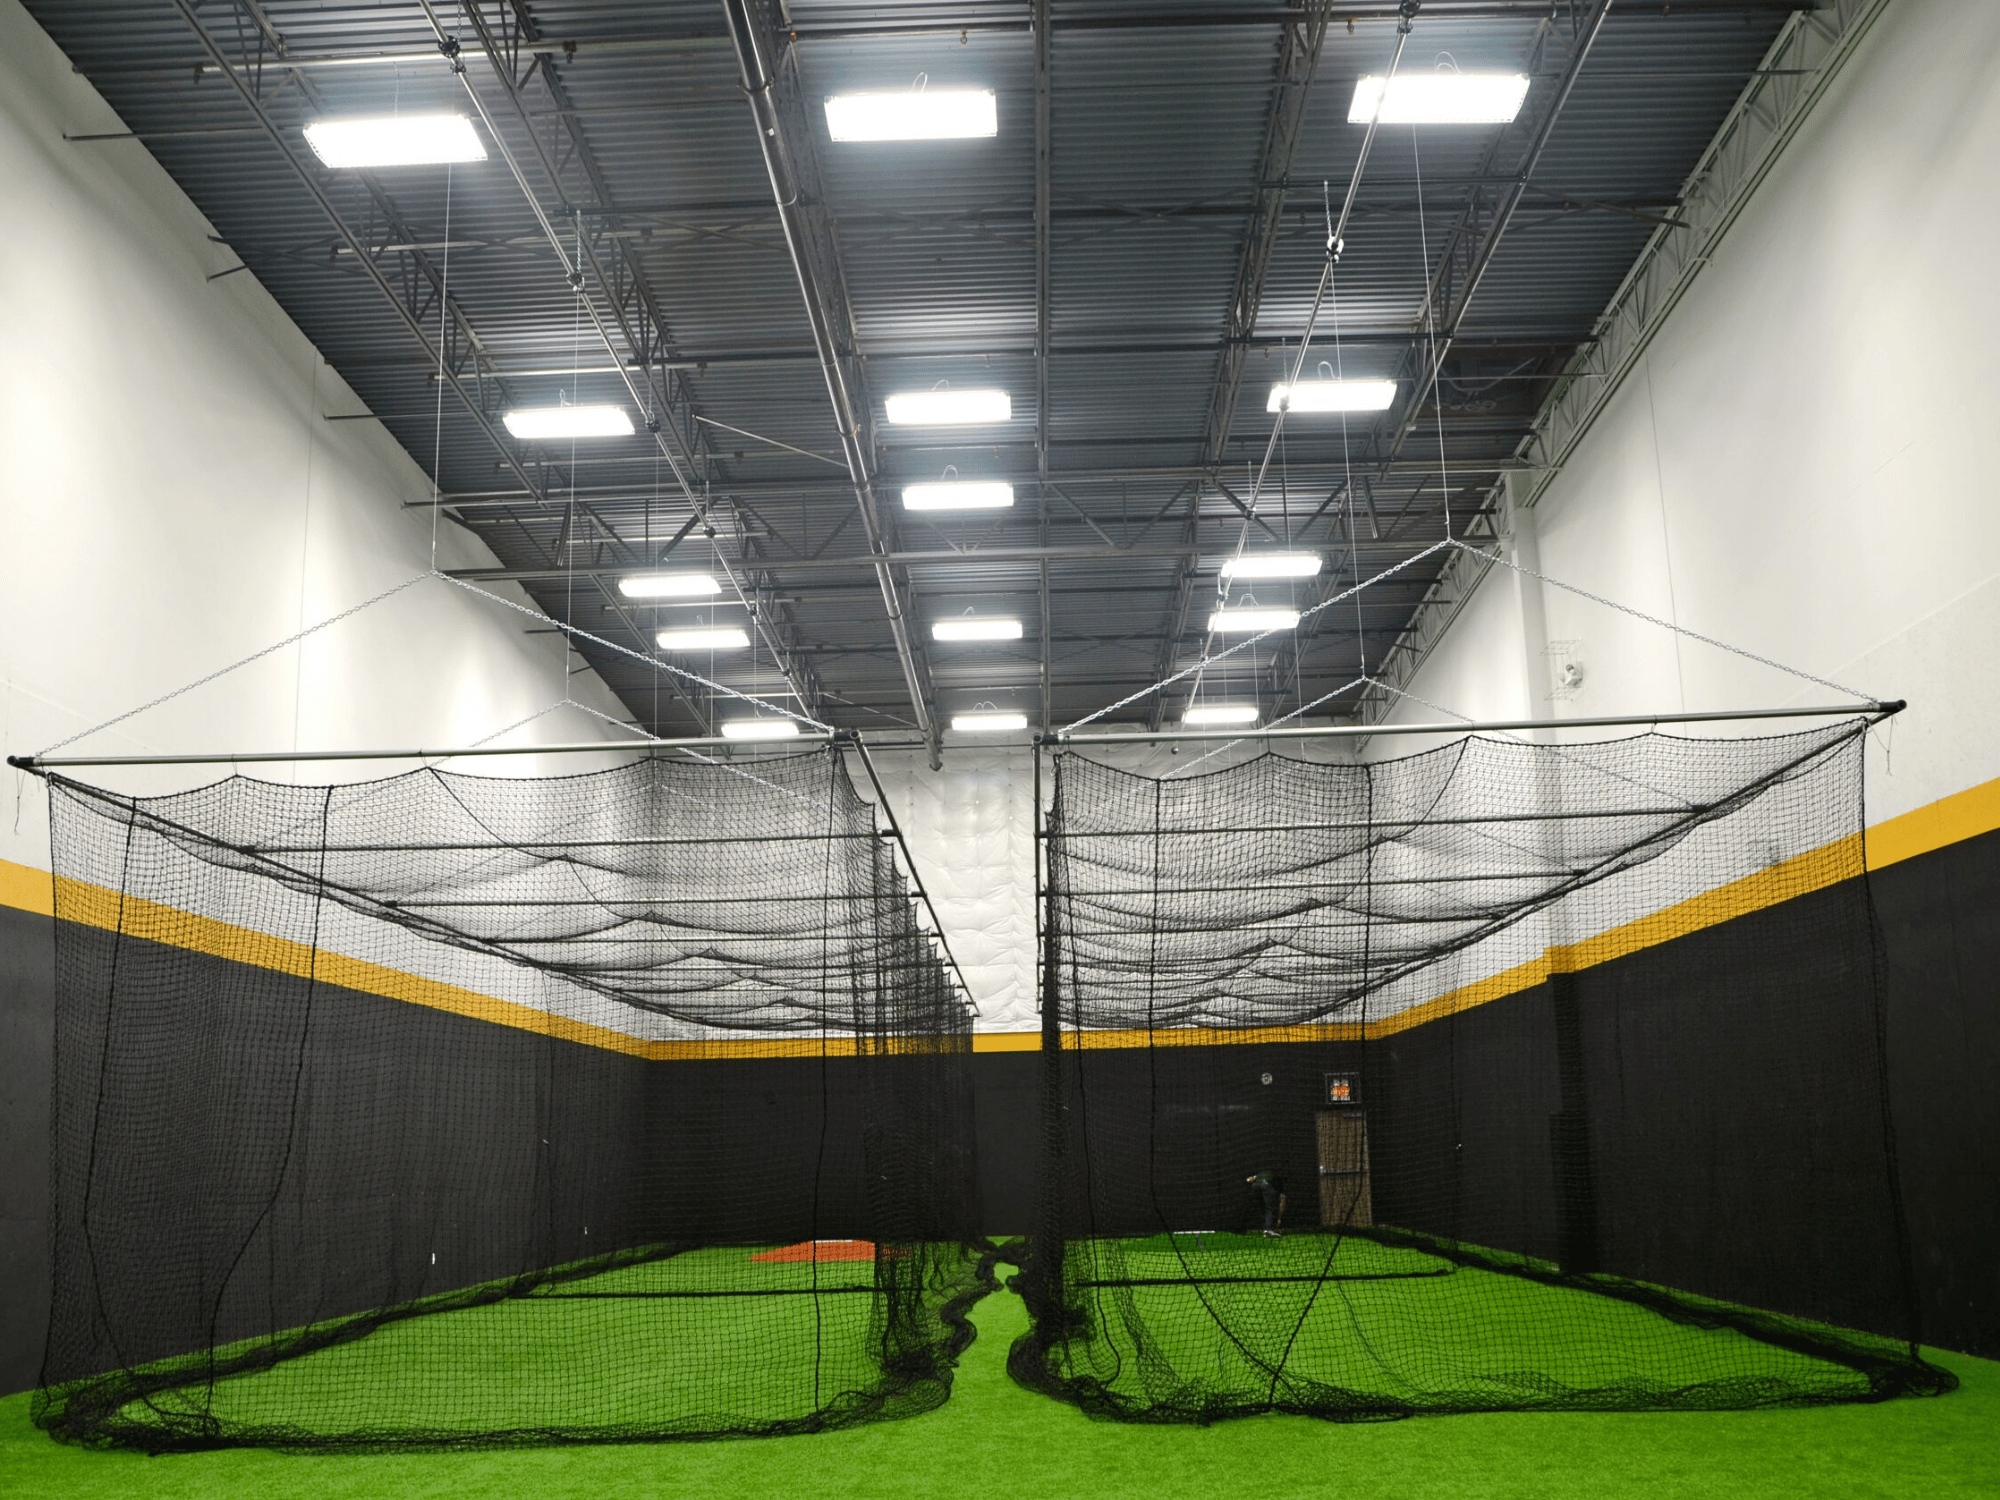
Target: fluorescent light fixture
394 140
985 723
1272 565
912 115
758 729
977 628
973 495
668 585
1440 99
1220 713
568 421
1241 621
703 638
948 408
1332 395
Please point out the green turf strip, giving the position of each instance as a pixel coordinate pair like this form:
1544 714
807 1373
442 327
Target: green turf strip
999 1442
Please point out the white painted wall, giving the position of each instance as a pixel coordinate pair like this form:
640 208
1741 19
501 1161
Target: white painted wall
173 499
1800 464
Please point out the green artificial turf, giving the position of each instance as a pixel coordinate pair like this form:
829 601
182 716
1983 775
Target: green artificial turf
564 1359
1362 1326
998 1441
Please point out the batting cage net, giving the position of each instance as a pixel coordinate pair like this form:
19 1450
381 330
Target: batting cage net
454 1110
1505 1076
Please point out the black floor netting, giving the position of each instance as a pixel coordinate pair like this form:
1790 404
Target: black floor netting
1500 1077
456 1110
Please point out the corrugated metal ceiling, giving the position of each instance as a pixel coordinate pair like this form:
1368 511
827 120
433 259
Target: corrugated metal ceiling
1159 116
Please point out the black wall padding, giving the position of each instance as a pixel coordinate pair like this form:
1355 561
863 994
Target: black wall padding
461 1155
1734 1142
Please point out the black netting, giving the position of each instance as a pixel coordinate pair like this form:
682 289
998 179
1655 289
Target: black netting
1505 1076
454 1110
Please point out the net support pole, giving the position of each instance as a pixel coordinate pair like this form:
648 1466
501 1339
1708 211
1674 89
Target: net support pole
1048 1268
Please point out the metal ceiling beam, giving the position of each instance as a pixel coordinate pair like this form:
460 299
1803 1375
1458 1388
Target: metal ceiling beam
982 20
1298 60
625 291
458 330
1487 244
1057 553
475 502
787 164
1540 341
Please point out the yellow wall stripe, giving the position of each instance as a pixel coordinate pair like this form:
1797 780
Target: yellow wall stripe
26 889
95 906
1949 820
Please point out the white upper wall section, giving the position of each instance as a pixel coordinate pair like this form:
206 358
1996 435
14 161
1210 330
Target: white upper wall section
1797 465
174 500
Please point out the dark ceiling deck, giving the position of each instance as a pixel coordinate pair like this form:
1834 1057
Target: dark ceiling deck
1137 303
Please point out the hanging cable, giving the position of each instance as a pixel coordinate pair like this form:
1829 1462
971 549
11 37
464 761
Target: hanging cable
1430 330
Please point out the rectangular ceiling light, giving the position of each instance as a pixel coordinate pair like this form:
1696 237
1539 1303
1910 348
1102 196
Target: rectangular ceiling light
568 421
395 140
948 408
1272 565
759 729
1220 713
703 638
1240 621
973 495
1440 99
1332 395
994 723
977 628
912 115
668 586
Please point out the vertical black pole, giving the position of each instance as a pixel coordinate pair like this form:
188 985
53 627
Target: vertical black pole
1569 1137
1048 1242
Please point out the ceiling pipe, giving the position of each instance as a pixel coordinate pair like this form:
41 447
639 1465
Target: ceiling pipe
758 90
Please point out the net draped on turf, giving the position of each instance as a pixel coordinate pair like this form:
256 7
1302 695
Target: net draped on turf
455 1110
1561 1067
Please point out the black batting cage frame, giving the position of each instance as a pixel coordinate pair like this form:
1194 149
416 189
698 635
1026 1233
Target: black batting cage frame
1507 1075
457 1111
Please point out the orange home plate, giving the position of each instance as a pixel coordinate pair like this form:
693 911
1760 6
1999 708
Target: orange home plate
821 1250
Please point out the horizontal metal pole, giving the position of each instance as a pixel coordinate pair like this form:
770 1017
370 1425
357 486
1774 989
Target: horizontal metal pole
1545 340
1364 825
37 763
1879 710
57 762
1329 471
524 845
1142 551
